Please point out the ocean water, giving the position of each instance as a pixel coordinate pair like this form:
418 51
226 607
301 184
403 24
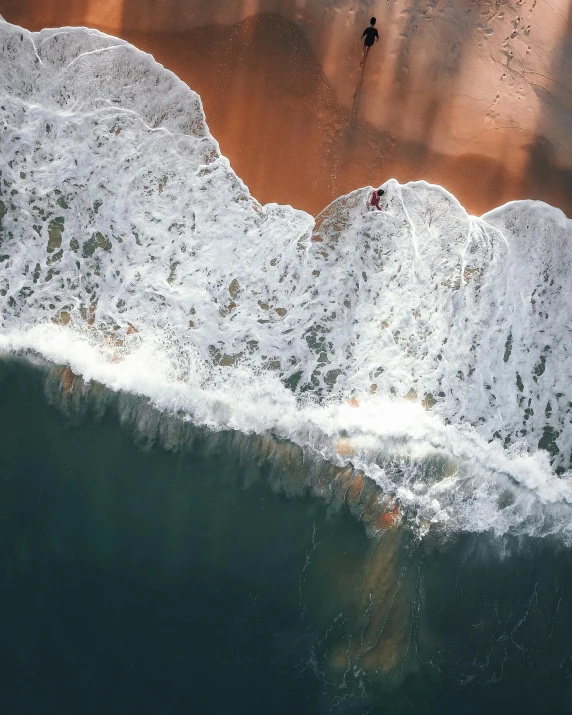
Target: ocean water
136 578
259 460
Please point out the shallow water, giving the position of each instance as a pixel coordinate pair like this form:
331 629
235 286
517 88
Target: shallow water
146 581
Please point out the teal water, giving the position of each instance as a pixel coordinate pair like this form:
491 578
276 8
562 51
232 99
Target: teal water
138 580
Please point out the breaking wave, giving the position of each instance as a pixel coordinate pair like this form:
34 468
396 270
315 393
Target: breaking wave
428 347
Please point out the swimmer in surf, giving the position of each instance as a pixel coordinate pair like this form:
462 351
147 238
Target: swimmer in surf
371 35
375 198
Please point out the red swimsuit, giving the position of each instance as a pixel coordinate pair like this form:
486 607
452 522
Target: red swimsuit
374 201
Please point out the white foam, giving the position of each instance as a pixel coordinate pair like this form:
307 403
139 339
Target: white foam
119 215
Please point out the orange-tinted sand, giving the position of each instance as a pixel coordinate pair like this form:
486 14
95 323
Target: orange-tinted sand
300 121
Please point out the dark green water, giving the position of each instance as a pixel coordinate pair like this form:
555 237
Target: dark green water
139 581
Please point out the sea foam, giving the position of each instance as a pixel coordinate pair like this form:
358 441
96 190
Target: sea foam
427 346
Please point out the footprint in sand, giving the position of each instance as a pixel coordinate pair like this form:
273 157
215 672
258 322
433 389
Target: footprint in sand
493 112
509 56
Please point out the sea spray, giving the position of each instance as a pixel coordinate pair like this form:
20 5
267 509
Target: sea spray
286 466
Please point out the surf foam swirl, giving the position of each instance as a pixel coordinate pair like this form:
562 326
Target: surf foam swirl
132 252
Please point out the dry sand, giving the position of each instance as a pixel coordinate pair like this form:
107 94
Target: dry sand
475 95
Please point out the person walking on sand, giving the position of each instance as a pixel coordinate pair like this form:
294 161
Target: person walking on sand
371 35
374 199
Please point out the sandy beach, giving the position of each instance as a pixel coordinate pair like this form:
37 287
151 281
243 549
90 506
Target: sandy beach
475 96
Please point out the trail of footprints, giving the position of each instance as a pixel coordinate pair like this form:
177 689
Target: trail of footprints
496 12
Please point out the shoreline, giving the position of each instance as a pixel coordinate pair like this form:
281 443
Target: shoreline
281 124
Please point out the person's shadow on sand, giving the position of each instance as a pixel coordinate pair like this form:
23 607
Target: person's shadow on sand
357 94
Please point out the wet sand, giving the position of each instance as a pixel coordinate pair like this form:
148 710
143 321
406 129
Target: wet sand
294 137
